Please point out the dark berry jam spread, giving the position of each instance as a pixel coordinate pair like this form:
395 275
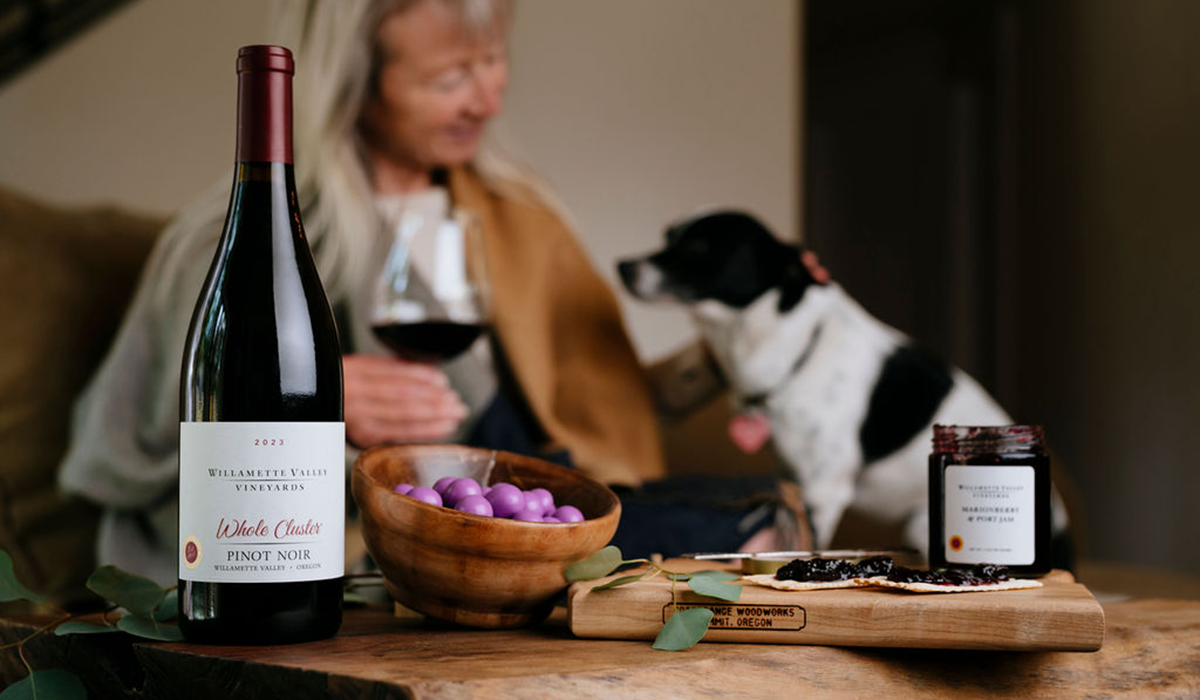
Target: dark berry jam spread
819 569
978 575
875 566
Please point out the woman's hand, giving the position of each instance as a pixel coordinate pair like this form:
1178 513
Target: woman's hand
390 400
819 274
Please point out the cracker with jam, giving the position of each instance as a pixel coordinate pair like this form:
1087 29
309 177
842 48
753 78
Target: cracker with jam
820 573
1011 584
770 581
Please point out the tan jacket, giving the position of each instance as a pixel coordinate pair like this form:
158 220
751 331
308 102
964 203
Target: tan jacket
561 329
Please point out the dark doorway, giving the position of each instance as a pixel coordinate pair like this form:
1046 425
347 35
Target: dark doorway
907 111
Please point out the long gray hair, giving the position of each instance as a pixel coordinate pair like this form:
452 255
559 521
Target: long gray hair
336 62
334 43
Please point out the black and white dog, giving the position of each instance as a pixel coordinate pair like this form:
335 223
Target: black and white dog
851 401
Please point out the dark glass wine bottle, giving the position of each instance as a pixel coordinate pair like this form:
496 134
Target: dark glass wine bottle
262 442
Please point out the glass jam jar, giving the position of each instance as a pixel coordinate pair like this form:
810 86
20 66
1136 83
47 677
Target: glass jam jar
989 497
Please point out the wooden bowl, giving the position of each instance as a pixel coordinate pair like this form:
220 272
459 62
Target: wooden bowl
471 569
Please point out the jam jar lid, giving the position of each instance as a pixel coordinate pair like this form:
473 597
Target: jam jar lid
988 439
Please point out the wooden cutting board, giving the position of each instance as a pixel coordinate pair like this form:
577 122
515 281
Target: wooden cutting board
1061 615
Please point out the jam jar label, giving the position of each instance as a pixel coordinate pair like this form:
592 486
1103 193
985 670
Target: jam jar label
989 515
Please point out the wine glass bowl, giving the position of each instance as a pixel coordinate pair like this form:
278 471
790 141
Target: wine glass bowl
431 296
471 569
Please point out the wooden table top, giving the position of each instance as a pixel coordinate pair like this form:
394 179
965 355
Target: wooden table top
1151 648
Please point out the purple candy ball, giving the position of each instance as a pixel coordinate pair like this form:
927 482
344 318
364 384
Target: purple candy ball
551 519
402 489
529 515
426 494
474 504
568 514
444 483
506 500
543 498
460 489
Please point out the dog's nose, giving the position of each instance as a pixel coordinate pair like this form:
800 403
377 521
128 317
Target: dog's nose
628 269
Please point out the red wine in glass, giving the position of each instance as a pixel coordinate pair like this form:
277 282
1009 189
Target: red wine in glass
428 340
445 319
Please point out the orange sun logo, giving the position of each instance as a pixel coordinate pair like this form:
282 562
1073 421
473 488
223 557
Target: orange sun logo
956 543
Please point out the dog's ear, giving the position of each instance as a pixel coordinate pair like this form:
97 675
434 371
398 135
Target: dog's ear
796 279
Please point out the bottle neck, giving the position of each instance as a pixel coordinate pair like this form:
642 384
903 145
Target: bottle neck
264 124
272 185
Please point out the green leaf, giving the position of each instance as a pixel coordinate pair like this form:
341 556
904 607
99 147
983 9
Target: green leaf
47 684
357 600
150 628
683 629
169 607
136 594
711 587
622 581
598 565
10 587
82 628
711 573
717 575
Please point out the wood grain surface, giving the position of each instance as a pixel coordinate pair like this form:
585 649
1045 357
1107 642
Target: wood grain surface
1152 650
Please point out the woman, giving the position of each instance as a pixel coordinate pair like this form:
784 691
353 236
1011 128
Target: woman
392 101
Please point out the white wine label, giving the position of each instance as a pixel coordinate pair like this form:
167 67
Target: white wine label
989 515
261 502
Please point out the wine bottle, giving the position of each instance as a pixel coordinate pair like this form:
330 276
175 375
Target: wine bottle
262 442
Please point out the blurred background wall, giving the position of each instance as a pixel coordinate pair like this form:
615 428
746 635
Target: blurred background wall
138 109
1108 239
636 112
640 111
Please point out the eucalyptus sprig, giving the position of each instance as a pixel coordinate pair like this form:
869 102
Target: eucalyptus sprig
352 584
685 627
149 609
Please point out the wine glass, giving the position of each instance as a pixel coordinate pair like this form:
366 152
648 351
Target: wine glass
431 297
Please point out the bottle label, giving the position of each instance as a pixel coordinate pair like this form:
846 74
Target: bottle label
261 502
989 515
